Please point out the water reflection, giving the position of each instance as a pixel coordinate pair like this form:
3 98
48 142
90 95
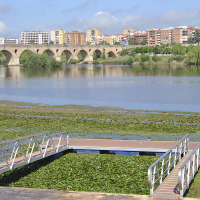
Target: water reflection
92 71
129 87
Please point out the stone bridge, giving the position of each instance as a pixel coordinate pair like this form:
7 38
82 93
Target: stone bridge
13 52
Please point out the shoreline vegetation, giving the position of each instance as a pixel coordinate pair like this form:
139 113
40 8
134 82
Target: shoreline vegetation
97 173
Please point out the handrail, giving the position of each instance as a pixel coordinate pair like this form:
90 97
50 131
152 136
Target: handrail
166 163
188 170
11 142
21 152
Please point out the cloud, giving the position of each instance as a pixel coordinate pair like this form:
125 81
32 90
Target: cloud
175 16
5 8
3 28
120 10
43 28
133 8
110 24
82 7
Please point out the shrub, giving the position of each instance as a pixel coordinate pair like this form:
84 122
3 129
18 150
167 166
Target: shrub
95 62
136 59
85 62
73 61
179 58
144 58
170 60
129 61
155 58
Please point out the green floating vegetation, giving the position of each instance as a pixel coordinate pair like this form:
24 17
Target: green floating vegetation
18 120
85 172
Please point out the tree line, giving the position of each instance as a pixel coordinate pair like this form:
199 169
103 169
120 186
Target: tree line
190 53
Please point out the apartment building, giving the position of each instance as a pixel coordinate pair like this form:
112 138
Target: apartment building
75 38
101 38
153 36
58 36
128 31
170 35
10 41
92 35
2 41
139 37
37 37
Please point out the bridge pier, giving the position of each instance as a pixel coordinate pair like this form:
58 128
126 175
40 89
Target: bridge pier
58 58
13 61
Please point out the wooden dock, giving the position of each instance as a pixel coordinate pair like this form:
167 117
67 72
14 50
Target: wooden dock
169 187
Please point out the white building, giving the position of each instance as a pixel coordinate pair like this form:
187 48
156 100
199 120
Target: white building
2 41
35 37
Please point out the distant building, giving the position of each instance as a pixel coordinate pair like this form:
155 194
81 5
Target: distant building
37 37
103 38
130 30
170 35
2 41
93 34
75 38
10 41
139 36
58 37
112 39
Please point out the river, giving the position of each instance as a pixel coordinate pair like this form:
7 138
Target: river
129 87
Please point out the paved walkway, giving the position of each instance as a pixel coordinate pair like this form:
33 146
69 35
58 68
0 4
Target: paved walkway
8 193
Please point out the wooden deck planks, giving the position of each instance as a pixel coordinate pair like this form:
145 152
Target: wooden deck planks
170 185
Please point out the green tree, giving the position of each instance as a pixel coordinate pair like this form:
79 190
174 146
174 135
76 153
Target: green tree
79 56
131 41
144 42
45 41
104 43
51 42
104 56
178 49
44 60
94 56
117 43
31 41
194 55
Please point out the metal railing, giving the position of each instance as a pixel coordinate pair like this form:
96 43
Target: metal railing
160 169
21 151
188 170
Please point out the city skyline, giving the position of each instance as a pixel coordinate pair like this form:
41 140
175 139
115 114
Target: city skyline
110 16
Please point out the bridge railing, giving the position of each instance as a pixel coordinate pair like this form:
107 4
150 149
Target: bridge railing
160 169
29 149
188 170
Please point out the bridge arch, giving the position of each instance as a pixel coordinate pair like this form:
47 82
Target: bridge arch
111 54
49 52
68 54
84 54
9 56
98 53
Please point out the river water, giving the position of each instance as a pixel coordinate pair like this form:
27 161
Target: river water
130 87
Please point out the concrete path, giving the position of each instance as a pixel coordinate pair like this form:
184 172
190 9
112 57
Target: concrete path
8 193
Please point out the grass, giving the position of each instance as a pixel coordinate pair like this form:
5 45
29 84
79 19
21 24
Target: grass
194 190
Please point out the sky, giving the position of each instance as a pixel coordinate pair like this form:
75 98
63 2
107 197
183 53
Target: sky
111 16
